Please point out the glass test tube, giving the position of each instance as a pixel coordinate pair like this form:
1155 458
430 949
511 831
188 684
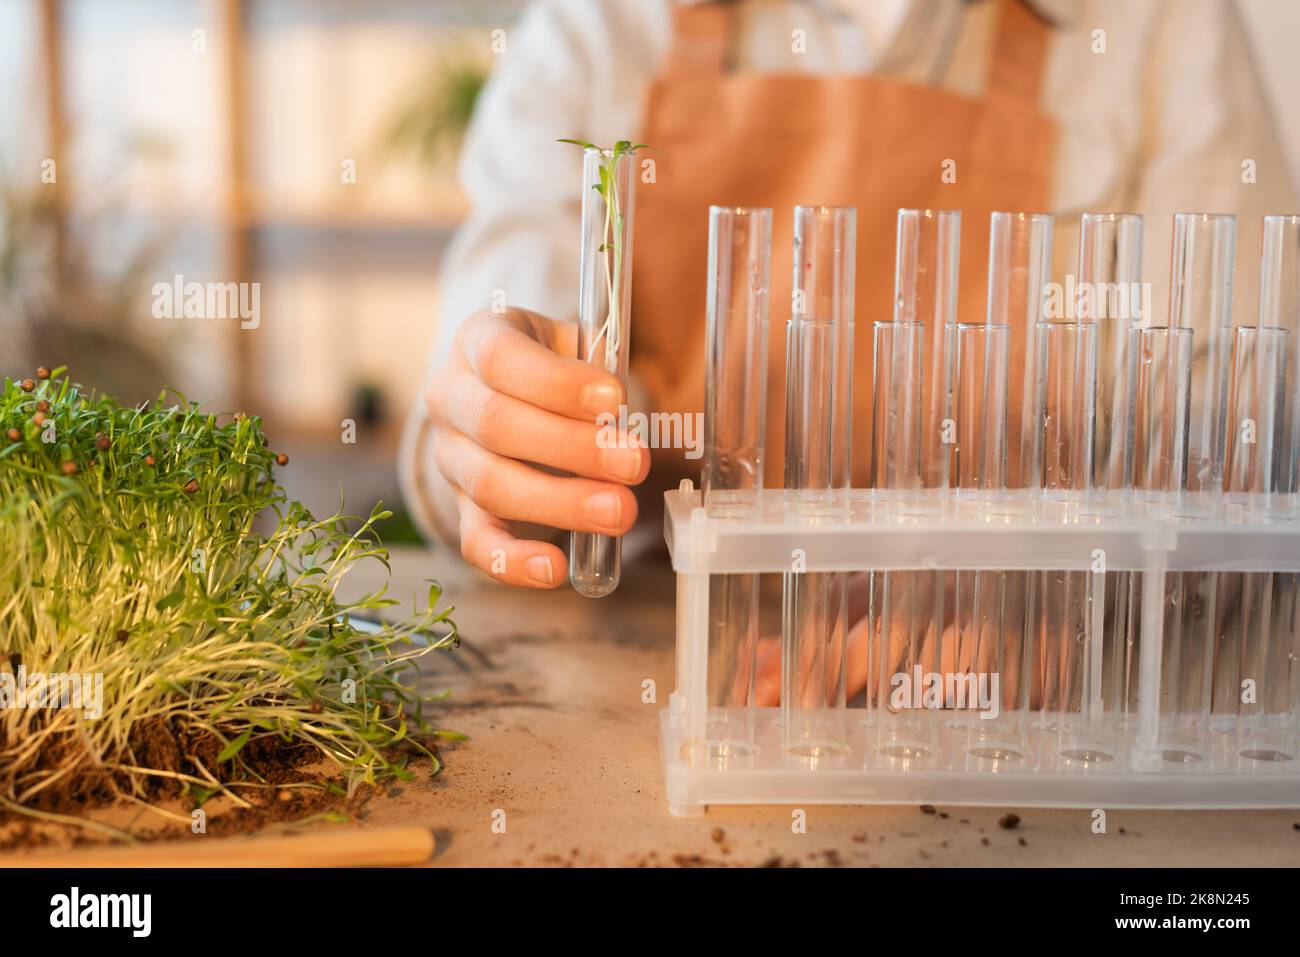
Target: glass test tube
1279 307
1200 299
1254 664
1110 294
1162 358
1169 666
976 646
897 623
818 435
927 255
1066 648
1020 261
735 404
604 310
913 603
1020 266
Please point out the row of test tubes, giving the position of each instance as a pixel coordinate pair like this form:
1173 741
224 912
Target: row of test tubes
1095 407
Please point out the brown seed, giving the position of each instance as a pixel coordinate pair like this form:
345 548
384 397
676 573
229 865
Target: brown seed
39 418
42 372
192 486
123 634
282 459
718 835
27 385
42 406
148 460
1009 821
102 441
14 435
69 467
316 707
285 795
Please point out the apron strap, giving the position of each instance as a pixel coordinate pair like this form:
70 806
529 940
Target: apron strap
1019 52
701 37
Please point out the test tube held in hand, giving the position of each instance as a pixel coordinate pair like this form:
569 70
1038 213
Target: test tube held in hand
818 434
604 311
735 404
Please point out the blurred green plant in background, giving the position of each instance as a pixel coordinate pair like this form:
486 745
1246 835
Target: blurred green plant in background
433 124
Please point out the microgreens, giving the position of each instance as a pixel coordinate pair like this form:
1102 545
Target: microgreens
130 547
612 247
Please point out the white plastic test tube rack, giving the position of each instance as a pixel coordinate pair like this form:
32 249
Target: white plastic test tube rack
1130 592
938 530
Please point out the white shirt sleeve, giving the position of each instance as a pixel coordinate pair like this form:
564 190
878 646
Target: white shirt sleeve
570 69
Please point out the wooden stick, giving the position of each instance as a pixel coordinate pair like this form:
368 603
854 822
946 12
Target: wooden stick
378 847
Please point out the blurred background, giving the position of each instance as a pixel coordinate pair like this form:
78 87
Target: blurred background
308 145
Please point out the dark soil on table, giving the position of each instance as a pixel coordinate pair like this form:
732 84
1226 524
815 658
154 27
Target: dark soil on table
284 800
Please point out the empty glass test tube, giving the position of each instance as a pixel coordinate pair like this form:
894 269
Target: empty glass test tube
1020 266
1279 308
1067 649
902 603
1200 299
818 436
604 310
1110 294
926 259
912 603
976 647
1254 666
1171 694
735 404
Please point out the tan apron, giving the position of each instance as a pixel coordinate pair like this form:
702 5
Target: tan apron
778 140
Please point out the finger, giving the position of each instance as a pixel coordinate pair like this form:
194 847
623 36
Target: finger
486 544
513 428
511 361
767 679
514 491
856 673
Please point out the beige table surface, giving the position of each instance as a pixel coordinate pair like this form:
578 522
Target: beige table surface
549 687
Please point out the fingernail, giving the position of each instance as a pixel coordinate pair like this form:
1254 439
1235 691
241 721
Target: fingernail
604 510
599 397
622 464
538 569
